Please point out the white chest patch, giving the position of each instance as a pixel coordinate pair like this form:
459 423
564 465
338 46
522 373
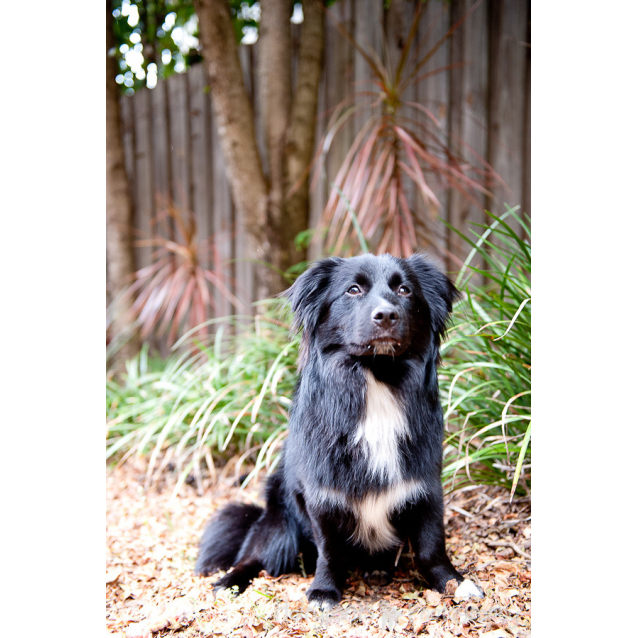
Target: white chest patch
378 434
379 431
374 529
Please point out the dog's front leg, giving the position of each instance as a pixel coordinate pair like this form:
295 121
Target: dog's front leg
428 542
325 590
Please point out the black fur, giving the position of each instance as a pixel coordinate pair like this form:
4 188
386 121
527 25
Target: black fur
366 320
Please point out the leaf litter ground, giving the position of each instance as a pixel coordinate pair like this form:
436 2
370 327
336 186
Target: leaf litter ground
151 591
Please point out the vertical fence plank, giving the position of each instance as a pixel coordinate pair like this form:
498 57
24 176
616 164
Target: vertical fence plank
506 117
339 60
180 142
468 113
432 91
318 188
368 33
526 197
244 261
161 148
143 187
173 149
399 19
199 118
128 141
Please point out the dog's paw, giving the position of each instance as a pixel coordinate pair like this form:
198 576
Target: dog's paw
229 583
468 590
322 599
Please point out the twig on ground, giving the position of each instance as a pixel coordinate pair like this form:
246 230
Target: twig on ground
460 510
509 544
512 523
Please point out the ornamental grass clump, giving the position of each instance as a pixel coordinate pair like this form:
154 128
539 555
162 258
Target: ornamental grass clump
224 396
485 380
228 394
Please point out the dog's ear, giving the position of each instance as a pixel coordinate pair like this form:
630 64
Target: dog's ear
437 290
309 291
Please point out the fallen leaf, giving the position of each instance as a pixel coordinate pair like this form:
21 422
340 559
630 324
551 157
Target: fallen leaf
432 597
247 632
138 630
410 595
419 621
113 574
403 621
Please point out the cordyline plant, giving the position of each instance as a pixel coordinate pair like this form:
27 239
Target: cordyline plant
401 142
175 292
485 381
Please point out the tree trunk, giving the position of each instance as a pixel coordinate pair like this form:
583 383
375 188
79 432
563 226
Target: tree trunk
235 122
274 94
273 198
300 141
119 212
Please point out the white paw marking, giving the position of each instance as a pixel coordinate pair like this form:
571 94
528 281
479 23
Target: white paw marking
467 589
321 605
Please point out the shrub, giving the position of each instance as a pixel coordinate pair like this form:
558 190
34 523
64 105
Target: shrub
229 394
225 395
486 378
401 155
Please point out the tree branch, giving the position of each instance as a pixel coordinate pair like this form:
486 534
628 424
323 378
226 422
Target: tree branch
274 86
301 133
234 117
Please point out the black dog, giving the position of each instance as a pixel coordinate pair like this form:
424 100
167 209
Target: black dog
360 472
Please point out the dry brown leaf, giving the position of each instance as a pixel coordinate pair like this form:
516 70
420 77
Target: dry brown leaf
432 598
247 632
152 544
138 630
113 574
419 621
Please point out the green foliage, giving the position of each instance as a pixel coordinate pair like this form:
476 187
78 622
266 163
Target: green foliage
156 38
229 395
226 395
153 39
245 14
486 377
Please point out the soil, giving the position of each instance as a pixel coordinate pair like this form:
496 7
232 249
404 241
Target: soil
151 591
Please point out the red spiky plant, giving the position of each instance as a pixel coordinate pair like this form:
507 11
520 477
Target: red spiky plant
175 292
395 146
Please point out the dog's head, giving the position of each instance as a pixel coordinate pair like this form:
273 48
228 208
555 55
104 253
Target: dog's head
371 305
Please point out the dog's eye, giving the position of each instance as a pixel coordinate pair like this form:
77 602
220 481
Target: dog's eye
404 290
354 290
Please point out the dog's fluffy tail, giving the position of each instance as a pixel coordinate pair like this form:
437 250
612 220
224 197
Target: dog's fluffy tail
223 538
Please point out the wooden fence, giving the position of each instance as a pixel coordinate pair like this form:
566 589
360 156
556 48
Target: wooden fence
173 151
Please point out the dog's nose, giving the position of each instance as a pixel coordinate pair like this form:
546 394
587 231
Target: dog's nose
385 316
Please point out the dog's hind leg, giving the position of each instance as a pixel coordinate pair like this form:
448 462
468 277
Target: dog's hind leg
272 542
223 537
240 576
